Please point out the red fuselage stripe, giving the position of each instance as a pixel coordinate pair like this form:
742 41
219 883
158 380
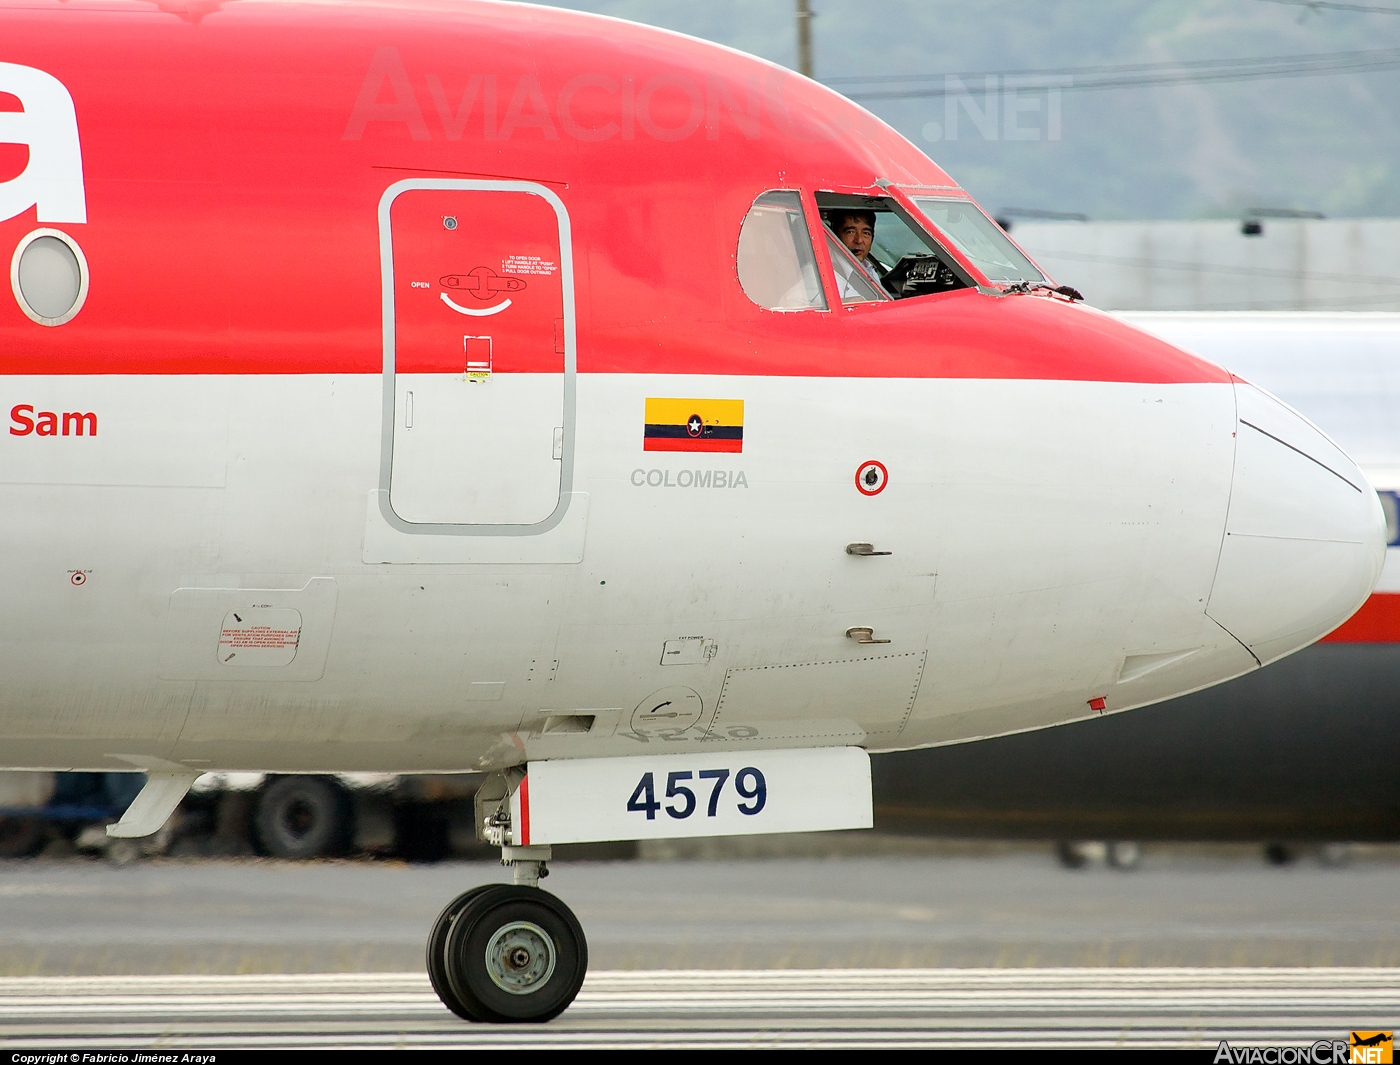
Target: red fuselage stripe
1378 621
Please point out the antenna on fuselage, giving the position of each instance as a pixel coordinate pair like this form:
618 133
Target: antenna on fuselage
804 38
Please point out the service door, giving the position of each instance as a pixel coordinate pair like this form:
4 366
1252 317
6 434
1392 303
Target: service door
477 353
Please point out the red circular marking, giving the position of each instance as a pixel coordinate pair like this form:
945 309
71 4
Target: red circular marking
78 578
863 474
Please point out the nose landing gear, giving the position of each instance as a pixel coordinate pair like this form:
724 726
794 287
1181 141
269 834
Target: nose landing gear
506 953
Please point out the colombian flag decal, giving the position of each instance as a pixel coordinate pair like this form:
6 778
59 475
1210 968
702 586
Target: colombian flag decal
694 425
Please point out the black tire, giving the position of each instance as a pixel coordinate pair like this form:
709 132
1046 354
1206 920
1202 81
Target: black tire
437 953
505 923
421 832
301 817
1069 855
20 836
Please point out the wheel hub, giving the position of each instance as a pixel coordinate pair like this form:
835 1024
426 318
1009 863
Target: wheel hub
299 818
520 958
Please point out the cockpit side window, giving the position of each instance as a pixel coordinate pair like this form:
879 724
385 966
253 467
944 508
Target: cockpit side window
887 245
777 267
855 283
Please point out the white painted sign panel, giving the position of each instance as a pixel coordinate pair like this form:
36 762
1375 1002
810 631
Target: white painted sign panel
722 793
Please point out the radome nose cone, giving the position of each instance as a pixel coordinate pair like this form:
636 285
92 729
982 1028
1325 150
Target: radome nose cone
1305 535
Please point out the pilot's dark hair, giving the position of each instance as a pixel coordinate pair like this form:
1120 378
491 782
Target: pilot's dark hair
837 216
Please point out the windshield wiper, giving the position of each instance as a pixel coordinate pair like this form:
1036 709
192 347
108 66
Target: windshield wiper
1074 295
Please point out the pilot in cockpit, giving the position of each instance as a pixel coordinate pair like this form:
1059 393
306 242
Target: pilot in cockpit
856 230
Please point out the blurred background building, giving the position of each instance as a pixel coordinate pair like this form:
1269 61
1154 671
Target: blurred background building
1258 263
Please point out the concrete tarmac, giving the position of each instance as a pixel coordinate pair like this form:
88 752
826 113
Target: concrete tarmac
888 944
948 907
829 1008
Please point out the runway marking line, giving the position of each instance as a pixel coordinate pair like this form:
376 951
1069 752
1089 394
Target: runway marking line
837 1008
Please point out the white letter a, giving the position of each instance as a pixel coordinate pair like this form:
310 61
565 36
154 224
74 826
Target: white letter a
53 178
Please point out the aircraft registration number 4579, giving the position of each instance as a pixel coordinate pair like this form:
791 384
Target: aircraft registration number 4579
587 800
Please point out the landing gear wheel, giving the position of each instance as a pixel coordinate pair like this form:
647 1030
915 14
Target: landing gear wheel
437 952
514 954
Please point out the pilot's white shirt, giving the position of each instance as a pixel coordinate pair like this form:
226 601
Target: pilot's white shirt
848 291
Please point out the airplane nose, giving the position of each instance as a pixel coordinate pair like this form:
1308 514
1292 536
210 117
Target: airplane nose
1304 536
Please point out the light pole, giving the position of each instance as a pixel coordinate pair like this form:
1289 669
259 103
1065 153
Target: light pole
804 38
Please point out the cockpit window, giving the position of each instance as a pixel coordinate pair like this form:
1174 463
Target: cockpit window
883 243
980 239
777 267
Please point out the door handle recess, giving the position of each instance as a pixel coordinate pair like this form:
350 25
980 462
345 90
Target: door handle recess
864 550
863 634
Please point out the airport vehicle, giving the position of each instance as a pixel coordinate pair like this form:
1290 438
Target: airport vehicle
428 386
34 804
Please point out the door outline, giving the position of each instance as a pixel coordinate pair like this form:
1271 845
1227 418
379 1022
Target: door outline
386 270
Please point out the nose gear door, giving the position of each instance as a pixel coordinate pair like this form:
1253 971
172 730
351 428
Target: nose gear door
479 358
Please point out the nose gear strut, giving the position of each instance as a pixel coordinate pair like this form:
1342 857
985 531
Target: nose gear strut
504 953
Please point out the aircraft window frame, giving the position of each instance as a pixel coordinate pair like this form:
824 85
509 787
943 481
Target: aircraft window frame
27 273
754 263
828 200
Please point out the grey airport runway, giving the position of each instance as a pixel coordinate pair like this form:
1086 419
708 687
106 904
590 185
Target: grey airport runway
901 946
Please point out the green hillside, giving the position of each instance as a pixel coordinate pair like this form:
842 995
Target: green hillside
1197 148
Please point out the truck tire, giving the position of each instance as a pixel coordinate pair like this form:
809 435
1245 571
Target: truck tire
301 817
20 836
